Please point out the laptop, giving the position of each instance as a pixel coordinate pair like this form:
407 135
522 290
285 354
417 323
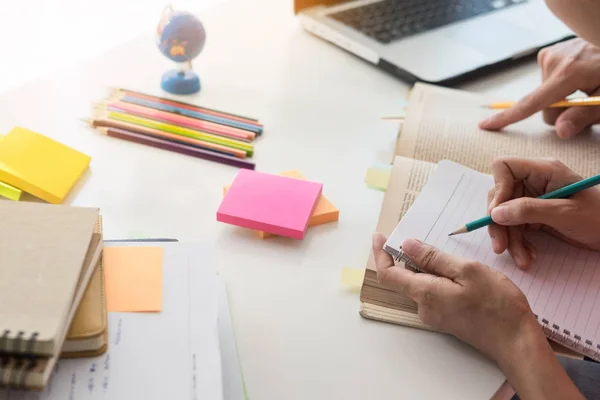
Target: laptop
434 41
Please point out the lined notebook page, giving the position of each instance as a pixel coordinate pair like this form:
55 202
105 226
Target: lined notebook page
562 287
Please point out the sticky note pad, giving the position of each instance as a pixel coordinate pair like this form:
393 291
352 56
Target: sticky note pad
378 177
352 277
271 203
10 192
39 165
323 213
133 278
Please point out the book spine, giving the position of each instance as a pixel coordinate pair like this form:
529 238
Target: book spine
569 339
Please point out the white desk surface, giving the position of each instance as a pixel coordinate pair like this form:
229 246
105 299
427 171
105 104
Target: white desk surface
298 331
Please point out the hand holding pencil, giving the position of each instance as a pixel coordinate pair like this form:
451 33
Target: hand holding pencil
515 208
567 67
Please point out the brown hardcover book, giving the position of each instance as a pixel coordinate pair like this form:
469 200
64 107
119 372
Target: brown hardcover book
441 124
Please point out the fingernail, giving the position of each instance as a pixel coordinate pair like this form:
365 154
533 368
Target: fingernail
411 246
500 214
485 123
566 129
518 260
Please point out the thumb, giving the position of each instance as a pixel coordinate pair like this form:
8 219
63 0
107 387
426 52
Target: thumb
576 119
430 259
529 210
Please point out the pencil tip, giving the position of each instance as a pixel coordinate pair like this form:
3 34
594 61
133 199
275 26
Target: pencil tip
462 229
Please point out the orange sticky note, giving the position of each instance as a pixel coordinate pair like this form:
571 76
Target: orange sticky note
323 213
133 278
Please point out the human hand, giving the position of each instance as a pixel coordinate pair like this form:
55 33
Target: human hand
566 68
469 300
483 308
514 208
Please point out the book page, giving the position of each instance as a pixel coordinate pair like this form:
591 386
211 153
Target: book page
407 178
442 123
562 287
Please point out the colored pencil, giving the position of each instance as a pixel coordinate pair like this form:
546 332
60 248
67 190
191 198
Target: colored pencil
178 130
109 123
192 107
176 147
180 120
157 105
577 102
561 193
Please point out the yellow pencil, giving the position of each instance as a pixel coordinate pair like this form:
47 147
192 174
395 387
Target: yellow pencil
577 102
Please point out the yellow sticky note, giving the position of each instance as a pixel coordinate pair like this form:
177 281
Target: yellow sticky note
39 165
352 277
323 213
10 192
133 278
378 178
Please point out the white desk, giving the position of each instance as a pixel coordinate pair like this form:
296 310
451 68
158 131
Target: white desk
299 333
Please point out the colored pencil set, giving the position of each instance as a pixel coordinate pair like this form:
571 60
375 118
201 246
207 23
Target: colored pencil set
179 127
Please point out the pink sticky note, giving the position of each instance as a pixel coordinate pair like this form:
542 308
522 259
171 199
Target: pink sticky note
270 203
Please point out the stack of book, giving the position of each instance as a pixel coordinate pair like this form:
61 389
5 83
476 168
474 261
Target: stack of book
52 298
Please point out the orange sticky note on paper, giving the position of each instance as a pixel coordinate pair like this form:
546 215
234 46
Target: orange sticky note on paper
323 212
133 278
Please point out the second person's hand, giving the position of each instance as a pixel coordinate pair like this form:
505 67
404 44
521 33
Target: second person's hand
566 67
514 207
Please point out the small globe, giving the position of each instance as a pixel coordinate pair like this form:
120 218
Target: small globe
180 36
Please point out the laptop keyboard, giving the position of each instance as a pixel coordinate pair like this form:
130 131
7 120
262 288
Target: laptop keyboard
389 20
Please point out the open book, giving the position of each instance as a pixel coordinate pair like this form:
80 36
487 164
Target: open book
442 124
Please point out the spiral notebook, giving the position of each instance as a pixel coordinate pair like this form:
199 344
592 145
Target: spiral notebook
47 256
563 287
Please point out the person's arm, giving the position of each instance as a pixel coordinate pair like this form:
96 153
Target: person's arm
581 16
483 308
533 371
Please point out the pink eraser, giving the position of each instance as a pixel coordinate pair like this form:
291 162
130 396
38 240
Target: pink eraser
271 203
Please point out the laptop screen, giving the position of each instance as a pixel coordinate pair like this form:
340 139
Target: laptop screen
300 5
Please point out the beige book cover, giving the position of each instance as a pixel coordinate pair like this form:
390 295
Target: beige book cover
441 124
42 252
88 334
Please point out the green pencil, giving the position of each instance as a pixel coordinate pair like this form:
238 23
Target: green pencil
557 194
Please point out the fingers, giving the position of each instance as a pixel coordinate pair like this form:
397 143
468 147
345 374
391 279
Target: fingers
382 259
517 248
575 120
539 175
414 285
432 260
528 210
498 233
549 92
499 236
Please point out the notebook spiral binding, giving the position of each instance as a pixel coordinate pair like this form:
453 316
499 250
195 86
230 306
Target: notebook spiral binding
16 361
551 330
402 257
574 342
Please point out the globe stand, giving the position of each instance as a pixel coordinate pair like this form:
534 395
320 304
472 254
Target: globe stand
180 82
